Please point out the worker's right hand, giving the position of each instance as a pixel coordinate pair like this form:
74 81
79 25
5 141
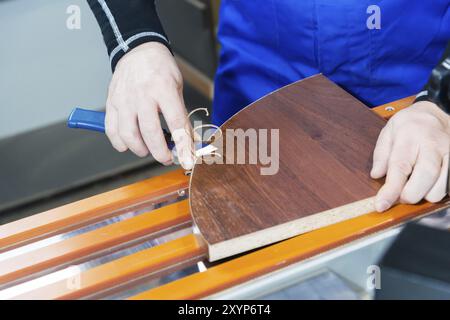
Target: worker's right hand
147 81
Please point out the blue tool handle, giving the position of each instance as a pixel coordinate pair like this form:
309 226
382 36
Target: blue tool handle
95 120
87 119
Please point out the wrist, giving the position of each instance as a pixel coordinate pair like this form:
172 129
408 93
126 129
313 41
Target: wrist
151 48
151 45
148 43
433 109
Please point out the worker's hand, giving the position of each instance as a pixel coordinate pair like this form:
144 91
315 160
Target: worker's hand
147 81
413 152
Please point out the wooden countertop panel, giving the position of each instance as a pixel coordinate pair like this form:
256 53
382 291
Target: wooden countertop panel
325 155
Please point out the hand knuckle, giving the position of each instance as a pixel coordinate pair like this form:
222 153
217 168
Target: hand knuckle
398 117
431 168
167 83
121 103
178 79
430 120
440 145
129 136
109 103
111 132
178 121
149 131
403 166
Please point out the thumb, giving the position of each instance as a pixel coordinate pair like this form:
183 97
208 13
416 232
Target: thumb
381 153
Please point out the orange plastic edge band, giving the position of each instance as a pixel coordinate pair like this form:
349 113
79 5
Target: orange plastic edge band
279 255
389 109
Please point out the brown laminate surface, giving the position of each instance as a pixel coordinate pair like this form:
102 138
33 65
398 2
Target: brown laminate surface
325 152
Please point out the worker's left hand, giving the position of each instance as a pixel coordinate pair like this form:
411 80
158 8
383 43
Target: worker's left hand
412 151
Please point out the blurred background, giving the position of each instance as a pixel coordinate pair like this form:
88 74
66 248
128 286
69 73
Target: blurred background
47 69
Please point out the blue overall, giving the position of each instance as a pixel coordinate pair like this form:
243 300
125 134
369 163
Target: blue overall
376 56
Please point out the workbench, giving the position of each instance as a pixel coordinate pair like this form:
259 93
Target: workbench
137 242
